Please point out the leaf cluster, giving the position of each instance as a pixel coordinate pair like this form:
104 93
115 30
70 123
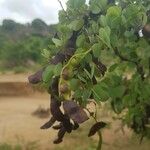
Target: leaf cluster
104 58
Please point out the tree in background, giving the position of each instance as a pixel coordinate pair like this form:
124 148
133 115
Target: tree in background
21 44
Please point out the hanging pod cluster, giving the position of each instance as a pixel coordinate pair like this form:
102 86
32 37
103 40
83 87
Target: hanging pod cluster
96 47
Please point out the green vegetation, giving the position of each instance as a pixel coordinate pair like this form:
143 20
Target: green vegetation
98 54
27 146
21 44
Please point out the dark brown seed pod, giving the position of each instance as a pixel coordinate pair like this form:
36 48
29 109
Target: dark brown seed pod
146 31
55 110
75 126
49 123
53 89
59 58
57 141
36 78
101 67
96 127
67 124
75 112
57 127
61 134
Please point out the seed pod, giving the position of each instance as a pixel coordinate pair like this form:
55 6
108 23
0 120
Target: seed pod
36 78
53 89
97 126
49 123
101 67
57 141
61 134
146 31
75 112
55 110
67 124
57 127
59 58
75 126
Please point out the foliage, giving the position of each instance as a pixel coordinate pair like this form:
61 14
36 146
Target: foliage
103 58
21 45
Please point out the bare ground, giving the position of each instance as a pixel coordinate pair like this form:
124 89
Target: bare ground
17 125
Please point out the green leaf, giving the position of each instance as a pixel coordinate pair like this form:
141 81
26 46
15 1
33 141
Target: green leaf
87 73
65 31
45 53
80 40
95 27
104 34
114 40
81 78
74 84
96 6
100 94
113 17
78 94
114 11
57 69
76 24
57 42
117 105
86 94
88 58
129 100
113 67
92 70
116 92
75 4
48 73
103 21
97 49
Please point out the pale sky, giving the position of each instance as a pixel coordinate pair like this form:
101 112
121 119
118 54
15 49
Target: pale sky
24 11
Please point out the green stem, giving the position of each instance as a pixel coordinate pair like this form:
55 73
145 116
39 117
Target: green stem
99 146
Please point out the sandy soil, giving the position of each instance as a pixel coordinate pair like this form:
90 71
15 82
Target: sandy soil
17 125
9 77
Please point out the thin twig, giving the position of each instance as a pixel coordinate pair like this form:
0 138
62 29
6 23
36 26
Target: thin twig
63 8
138 66
61 5
99 146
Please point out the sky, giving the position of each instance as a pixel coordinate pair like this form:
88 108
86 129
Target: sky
24 11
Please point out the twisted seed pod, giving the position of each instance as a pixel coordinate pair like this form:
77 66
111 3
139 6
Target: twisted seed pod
55 109
75 112
67 124
36 78
75 126
57 127
61 134
49 123
96 127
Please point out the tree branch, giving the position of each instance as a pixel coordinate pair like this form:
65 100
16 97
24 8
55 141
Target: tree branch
63 8
139 68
